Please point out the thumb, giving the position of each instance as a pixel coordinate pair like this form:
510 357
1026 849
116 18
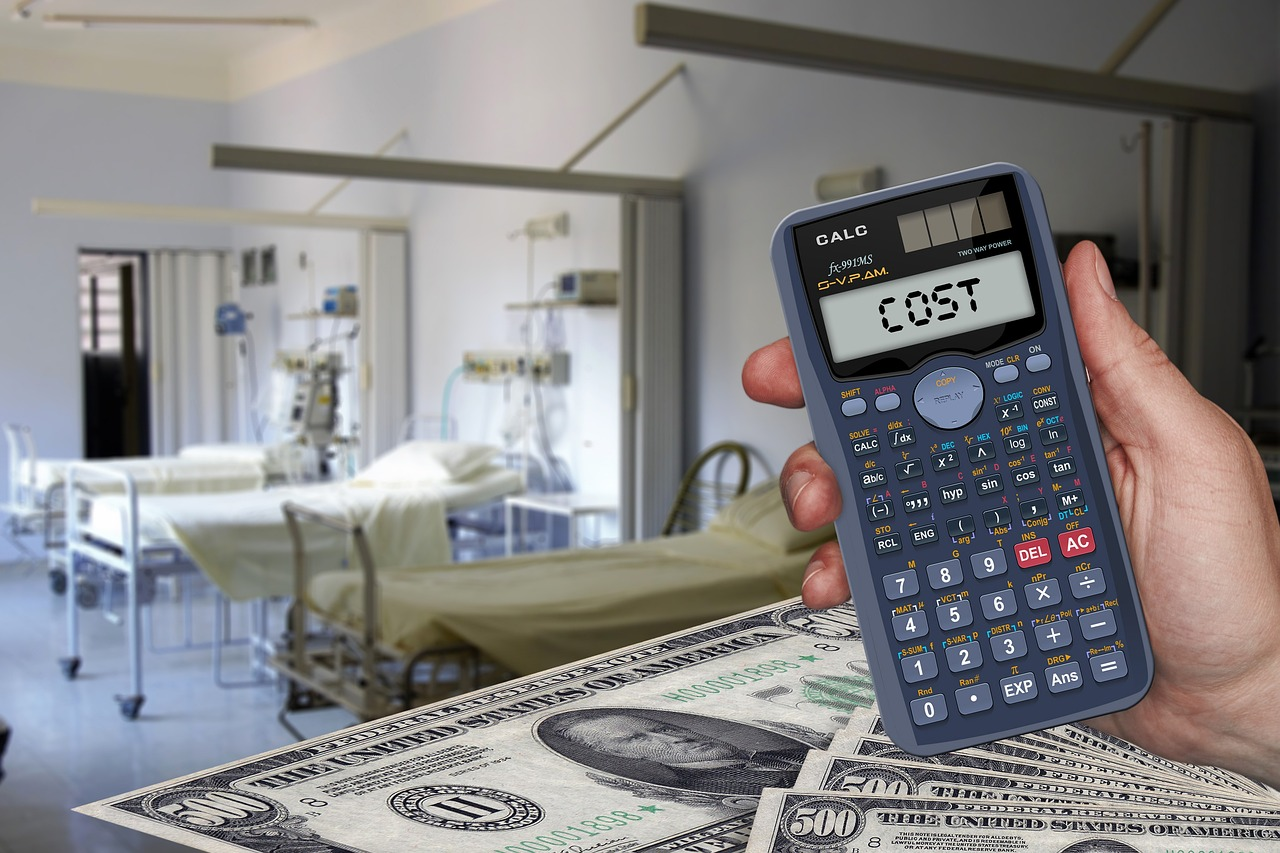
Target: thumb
1135 387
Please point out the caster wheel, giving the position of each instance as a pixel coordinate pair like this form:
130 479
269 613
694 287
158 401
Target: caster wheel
58 581
88 594
129 706
70 666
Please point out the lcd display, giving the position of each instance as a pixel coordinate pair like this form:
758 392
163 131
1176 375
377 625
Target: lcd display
926 307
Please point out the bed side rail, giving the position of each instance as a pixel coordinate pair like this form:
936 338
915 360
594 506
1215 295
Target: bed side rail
26 508
78 490
296 515
22 455
428 425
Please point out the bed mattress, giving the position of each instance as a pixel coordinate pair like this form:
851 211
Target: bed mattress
152 475
240 540
277 461
533 612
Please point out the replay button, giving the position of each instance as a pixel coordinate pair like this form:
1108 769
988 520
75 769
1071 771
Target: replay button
949 398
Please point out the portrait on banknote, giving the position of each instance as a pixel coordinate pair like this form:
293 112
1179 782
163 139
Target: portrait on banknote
673 749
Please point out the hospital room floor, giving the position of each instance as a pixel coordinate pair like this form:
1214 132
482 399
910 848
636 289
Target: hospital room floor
70 745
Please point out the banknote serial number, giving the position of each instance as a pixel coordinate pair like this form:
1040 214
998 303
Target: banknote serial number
567 838
738 678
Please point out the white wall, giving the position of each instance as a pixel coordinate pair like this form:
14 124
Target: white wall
465 265
308 260
520 83
527 84
69 144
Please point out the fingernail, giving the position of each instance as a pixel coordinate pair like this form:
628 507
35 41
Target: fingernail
795 485
815 568
1104 274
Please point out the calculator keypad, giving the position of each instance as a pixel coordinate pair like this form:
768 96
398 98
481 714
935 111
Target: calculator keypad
984 541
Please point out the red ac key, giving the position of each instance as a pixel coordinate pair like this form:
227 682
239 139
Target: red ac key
1073 543
1032 553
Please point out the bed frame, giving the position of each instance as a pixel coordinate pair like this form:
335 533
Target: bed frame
97 568
30 511
327 664
131 568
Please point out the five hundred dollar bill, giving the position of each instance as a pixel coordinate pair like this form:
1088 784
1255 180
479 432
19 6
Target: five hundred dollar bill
840 822
663 746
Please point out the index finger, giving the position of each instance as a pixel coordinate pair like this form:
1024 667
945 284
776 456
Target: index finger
769 376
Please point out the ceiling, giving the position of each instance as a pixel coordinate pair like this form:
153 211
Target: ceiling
204 43
231 62
207 61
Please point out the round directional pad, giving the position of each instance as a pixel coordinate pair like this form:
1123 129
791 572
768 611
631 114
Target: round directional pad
949 398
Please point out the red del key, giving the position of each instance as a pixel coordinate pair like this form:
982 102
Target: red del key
1032 553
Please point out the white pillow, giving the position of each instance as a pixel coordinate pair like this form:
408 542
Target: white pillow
426 462
760 515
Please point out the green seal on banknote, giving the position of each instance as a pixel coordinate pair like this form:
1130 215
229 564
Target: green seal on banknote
843 693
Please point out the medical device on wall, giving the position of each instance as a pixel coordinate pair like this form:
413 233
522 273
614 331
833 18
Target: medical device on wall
587 287
979 528
340 301
230 319
311 416
551 368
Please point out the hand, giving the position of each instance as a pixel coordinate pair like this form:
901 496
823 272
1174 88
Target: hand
1198 516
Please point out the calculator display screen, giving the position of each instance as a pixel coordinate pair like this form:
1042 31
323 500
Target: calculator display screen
894 283
924 307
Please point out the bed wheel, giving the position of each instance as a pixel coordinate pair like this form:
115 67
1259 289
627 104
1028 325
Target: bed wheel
58 581
129 706
88 593
70 666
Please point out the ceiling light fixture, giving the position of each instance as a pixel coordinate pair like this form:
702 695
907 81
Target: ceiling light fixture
847 184
96 21
22 9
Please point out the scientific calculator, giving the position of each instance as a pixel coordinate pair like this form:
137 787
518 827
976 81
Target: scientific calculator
979 528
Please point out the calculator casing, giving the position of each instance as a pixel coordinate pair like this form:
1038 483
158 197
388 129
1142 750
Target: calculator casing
852 233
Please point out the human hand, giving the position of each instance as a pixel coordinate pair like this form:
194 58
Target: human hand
1198 516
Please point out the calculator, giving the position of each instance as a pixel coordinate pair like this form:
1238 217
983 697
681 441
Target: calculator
979 529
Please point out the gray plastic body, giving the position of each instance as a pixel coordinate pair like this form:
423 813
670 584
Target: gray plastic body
962 517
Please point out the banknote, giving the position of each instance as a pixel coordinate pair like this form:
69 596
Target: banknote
875 767
1110 748
663 746
1064 758
794 821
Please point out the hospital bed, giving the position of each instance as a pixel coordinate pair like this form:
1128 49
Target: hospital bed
28 510
36 486
239 540
396 638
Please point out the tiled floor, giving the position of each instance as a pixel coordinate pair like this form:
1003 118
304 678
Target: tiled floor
71 745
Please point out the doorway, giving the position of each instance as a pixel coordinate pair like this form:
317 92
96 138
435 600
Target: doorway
113 354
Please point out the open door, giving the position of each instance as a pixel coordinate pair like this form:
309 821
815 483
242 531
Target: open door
113 354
